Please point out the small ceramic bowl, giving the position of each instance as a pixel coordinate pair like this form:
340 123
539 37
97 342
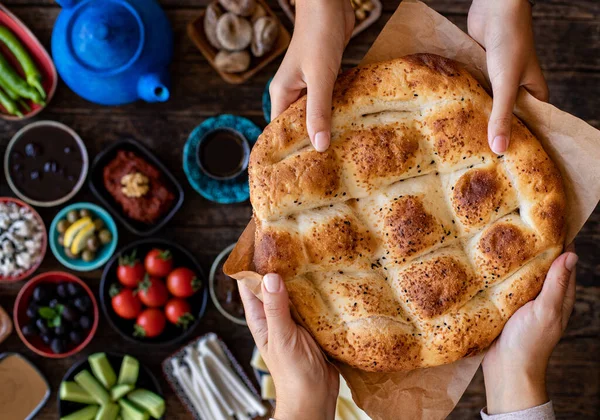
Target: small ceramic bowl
81 176
146 380
243 142
211 285
39 55
104 253
44 241
20 317
172 334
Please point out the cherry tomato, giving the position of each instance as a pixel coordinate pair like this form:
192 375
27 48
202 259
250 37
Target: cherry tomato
158 263
125 303
130 271
153 292
150 323
182 282
179 312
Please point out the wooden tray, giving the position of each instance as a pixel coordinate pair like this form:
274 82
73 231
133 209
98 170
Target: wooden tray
196 32
373 15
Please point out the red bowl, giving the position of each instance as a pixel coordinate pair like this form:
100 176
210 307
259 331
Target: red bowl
39 55
20 317
44 241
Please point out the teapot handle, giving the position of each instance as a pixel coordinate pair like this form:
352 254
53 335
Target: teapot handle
153 87
67 4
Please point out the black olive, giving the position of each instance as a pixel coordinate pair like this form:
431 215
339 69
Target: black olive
62 290
74 289
50 166
41 293
69 313
58 346
29 330
46 338
17 167
76 337
16 156
35 175
41 324
32 310
53 303
70 178
60 330
67 150
85 322
33 150
83 303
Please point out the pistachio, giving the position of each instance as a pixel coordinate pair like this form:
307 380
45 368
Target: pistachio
234 32
233 62
211 17
265 33
239 7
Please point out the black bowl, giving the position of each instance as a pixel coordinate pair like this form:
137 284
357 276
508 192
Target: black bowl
146 380
181 258
96 183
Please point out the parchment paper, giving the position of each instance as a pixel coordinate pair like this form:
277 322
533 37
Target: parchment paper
573 145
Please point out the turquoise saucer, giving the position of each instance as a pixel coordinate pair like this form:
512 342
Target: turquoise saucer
225 192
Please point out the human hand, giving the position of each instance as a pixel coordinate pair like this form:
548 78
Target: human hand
322 29
306 385
504 29
514 367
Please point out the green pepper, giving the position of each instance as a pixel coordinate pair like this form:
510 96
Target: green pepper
9 77
34 78
15 97
9 104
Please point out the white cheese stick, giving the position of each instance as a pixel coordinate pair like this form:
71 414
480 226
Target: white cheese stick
213 405
185 383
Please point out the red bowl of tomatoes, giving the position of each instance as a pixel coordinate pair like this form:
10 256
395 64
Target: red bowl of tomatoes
153 292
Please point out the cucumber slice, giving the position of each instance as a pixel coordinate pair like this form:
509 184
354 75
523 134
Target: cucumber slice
119 391
87 381
130 369
70 391
130 412
108 411
102 369
149 401
87 413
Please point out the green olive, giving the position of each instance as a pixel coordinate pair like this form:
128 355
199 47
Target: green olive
88 255
62 226
93 244
61 240
105 236
85 213
72 216
69 254
98 224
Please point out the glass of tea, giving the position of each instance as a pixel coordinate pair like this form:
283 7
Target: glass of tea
223 153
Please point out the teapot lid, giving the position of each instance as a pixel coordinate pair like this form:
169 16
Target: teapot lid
106 35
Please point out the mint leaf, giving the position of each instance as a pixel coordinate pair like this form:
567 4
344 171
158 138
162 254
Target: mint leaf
46 312
59 308
54 322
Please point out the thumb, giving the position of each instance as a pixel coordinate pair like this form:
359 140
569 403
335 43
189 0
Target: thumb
277 309
318 111
505 88
557 284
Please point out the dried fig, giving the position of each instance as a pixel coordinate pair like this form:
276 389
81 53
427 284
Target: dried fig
233 62
265 33
239 7
211 17
234 32
259 12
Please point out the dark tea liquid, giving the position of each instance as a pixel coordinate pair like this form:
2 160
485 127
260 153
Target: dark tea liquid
222 153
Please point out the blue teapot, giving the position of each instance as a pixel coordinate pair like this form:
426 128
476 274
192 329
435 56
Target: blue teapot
113 52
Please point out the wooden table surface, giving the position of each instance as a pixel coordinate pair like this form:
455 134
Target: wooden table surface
568 44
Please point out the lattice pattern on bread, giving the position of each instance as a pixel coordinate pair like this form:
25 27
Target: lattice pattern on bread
408 243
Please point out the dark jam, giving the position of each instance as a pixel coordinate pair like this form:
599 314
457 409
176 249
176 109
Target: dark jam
221 153
228 294
45 163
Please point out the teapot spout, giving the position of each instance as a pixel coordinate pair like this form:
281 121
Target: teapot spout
67 4
153 87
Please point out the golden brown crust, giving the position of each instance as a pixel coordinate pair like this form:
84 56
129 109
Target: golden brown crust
408 243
